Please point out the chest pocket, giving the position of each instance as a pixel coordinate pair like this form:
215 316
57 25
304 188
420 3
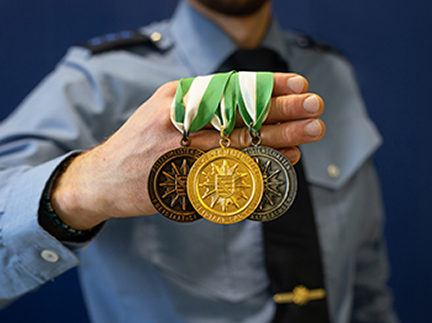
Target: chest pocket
334 160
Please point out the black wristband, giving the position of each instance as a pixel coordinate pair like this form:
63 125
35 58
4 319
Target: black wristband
50 221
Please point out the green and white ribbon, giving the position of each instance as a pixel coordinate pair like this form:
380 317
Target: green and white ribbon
255 90
197 100
216 97
226 113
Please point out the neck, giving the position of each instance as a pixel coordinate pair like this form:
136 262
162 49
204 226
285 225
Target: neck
247 32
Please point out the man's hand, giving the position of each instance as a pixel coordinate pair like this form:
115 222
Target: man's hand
111 179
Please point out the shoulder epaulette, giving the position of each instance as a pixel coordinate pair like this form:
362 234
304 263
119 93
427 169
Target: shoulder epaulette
120 40
306 41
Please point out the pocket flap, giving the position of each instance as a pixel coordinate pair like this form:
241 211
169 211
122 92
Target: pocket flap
351 138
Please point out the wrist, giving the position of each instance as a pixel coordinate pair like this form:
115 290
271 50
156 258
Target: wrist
70 195
50 220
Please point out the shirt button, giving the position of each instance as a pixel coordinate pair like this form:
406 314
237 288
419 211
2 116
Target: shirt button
333 171
156 36
49 256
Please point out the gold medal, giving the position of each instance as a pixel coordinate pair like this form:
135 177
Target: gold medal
225 186
168 181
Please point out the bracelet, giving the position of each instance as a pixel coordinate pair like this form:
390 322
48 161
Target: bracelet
49 219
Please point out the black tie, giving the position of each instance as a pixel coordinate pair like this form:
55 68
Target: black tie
292 251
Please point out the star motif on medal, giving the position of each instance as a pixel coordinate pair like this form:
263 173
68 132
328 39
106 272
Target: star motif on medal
225 186
271 183
175 184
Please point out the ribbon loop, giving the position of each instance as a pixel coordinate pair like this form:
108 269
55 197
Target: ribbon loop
225 116
255 135
255 90
196 101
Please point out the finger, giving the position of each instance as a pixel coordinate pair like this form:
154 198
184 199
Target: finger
284 83
211 138
289 83
291 107
286 134
295 107
292 153
281 136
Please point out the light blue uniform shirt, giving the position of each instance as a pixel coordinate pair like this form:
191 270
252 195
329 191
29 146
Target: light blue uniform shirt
149 269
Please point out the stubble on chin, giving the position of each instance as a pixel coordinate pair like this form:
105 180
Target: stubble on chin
234 8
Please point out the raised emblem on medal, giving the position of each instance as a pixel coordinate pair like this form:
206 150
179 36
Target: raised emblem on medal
167 184
280 183
225 186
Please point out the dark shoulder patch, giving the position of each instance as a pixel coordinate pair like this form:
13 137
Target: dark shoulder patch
306 41
121 40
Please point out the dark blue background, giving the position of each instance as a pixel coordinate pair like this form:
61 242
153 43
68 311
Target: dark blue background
388 41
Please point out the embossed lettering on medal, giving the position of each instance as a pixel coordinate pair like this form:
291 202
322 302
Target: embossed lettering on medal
167 184
280 183
225 186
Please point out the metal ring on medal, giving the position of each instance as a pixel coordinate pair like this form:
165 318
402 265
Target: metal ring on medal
168 181
280 183
225 186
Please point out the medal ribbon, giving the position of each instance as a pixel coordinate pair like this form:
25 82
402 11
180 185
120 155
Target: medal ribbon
255 90
226 113
196 101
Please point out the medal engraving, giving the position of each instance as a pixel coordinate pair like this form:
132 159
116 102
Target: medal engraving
225 186
168 181
280 183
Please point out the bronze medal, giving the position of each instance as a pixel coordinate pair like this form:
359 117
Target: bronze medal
225 186
280 183
168 181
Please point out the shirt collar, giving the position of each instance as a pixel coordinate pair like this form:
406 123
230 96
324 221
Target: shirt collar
191 33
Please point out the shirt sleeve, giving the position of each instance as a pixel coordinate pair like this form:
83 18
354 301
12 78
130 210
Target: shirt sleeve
64 113
29 255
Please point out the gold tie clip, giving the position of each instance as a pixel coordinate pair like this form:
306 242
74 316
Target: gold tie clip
300 295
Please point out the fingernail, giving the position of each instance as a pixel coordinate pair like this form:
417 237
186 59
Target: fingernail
296 84
311 104
313 128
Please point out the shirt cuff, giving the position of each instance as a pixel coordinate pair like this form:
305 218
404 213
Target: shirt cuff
34 252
